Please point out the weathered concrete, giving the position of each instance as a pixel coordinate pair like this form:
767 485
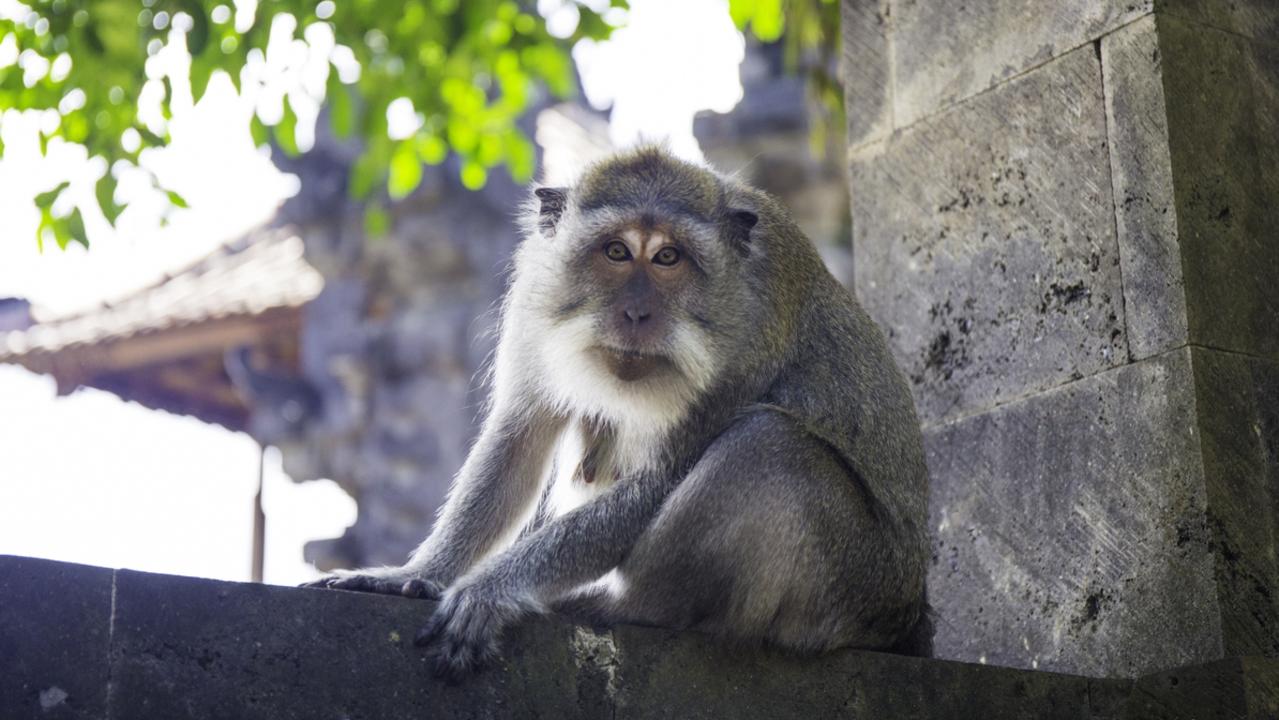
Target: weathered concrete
1092 337
1145 209
1237 401
189 648
1232 689
1257 19
1223 119
55 622
1141 538
1056 519
867 68
984 242
944 52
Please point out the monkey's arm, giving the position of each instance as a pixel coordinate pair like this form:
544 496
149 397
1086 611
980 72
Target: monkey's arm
495 490
497 485
567 552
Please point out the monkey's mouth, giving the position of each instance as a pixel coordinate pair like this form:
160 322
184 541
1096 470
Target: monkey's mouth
631 365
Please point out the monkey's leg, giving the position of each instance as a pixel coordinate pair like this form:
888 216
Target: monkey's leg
492 495
769 539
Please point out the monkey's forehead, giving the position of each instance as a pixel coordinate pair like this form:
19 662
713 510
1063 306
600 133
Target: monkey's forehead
652 180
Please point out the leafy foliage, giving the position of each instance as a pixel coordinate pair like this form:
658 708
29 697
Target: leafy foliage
469 68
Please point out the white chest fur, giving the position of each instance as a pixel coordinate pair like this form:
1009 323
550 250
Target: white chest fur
589 461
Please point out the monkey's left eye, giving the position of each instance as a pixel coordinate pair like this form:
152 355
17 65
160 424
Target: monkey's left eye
667 256
617 251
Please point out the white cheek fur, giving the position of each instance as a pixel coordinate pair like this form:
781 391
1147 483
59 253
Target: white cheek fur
580 383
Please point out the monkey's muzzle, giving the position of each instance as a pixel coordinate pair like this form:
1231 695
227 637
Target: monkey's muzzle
629 366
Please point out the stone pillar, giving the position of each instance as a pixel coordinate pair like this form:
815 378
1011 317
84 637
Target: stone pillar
1066 218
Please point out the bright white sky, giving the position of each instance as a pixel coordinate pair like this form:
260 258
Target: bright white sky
89 478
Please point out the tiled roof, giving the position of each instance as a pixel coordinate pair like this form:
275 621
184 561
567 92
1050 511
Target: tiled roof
262 271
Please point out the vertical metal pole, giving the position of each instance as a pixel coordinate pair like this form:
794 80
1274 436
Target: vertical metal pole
259 521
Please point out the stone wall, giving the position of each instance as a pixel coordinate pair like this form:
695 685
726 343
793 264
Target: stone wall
1066 218
99 644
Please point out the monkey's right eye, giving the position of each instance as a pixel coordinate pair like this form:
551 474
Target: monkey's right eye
617 251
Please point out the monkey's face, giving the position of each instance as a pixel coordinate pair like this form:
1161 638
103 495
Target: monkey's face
643 276
637 288
633 308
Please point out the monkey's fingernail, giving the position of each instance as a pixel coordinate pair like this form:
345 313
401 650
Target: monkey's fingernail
414 589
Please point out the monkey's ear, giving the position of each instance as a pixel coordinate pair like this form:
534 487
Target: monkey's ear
553 200
740 223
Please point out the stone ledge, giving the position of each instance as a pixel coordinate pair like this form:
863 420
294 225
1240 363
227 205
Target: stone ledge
85 642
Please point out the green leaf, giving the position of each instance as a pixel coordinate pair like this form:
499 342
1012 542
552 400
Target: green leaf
376 221
198 35
104 190
341 109
75 226
61 233
365 174
406 171
176 199
45 200
741 11
165 102
149 138
432 149
520 156
768 21
201 71
473 175
46 227
286 130
259 132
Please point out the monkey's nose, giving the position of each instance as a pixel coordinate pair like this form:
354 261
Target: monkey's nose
636 315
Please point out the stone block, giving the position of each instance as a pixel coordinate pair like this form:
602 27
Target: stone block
984 242
944 52
1244 688
1223 119
1256 19
1077 551
1141 539
1145 210
55 622
190 648
664 674
187 648
867 70
1237 402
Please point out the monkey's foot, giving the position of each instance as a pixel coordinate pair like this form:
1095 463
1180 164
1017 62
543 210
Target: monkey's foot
382 584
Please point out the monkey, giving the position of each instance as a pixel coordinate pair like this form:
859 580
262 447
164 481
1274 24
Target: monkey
693 425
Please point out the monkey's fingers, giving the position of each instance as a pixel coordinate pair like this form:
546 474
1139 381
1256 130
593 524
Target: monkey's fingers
422 589
358 583
458 657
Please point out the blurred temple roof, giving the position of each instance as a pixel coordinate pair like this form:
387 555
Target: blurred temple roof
163 345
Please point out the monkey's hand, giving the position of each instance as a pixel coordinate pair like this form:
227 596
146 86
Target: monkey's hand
465 629
384 581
